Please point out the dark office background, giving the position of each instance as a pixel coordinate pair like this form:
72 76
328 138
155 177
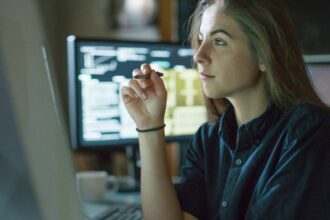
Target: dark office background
311 20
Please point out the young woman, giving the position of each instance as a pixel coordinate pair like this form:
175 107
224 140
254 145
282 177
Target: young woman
265 153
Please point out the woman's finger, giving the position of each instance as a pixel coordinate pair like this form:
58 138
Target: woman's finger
142 78
128 92
146 68
136 87
159 86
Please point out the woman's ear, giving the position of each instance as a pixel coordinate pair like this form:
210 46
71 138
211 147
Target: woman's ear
262 67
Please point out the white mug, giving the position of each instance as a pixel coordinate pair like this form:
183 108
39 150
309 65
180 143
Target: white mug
92 185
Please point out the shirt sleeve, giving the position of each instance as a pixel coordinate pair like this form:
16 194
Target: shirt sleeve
191 190
300 185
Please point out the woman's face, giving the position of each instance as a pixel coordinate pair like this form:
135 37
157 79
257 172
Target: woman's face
226 64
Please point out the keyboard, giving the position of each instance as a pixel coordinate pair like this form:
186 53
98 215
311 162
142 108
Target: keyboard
118 212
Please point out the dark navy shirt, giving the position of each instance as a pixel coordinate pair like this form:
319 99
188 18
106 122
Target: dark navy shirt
278 169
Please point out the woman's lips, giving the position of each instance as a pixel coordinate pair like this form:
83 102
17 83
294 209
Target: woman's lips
204 75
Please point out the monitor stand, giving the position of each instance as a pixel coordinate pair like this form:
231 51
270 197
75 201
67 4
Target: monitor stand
132 182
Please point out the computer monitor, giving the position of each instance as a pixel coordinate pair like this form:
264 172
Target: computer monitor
97 69
318 68
37 175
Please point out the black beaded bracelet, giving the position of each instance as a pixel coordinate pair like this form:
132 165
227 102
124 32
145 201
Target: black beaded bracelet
151 129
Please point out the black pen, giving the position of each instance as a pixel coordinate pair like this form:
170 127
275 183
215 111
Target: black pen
147 76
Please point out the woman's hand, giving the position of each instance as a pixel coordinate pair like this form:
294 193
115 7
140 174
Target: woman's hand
145 98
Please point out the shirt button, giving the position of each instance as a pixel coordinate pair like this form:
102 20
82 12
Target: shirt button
224 204
238 162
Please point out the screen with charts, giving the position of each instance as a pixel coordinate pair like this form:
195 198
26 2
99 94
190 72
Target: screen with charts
99 68
318 68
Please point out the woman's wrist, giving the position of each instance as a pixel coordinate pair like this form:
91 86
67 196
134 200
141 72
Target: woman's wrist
153 137
145 124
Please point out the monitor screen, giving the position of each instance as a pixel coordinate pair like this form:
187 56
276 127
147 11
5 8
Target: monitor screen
318 68
97 71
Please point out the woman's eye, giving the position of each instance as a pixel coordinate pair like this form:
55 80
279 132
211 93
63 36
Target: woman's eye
220 42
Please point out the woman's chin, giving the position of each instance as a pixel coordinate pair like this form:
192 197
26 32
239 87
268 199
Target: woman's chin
213 95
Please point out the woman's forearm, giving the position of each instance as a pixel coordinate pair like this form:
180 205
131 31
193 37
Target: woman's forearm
159 200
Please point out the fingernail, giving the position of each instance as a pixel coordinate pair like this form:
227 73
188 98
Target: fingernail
145 85
143 96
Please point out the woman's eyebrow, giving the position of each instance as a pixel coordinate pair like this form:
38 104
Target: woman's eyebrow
221 31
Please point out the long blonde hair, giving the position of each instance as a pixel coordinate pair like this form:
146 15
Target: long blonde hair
273 41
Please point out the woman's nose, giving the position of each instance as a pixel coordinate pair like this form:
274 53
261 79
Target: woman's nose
201 56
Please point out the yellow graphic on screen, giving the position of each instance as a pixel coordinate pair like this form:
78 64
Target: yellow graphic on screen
185 110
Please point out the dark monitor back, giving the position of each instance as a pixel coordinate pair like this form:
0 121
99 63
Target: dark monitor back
97 71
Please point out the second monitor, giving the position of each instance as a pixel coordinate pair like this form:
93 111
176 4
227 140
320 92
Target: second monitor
97 71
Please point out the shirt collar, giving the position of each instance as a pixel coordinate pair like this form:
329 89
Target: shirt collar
250 132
